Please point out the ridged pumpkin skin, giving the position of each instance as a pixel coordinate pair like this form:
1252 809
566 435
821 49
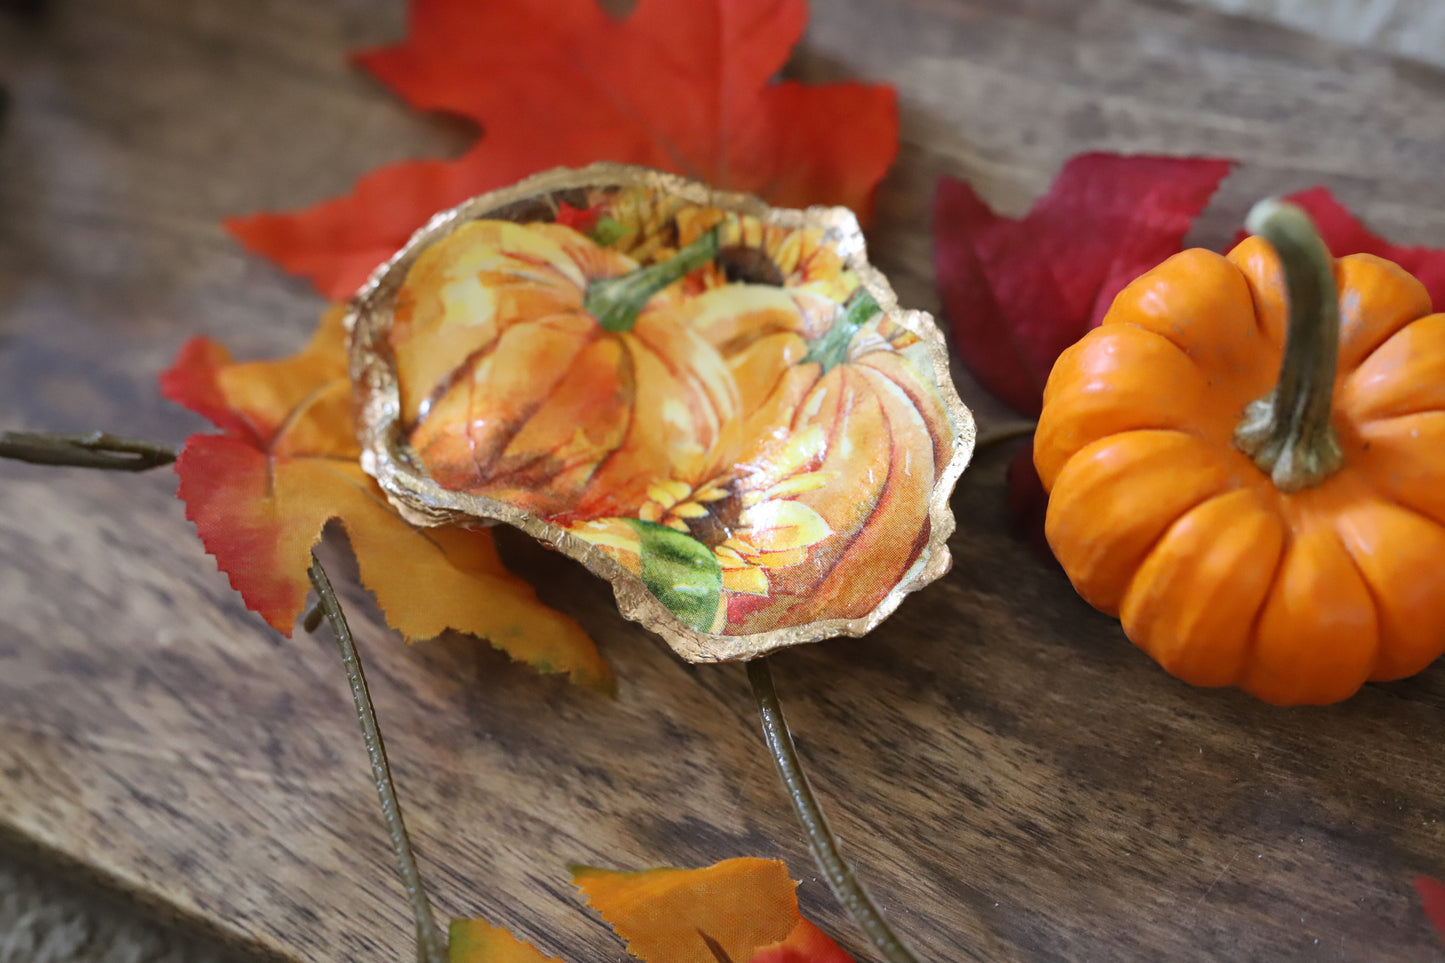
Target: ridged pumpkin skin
1157 518
887 438
511 389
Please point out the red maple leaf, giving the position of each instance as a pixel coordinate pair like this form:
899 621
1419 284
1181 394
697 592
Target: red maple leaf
1344 234
583 220
680 85
1018 292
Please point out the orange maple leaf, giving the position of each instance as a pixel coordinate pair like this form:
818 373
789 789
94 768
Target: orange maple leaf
736 911
261 493
680 85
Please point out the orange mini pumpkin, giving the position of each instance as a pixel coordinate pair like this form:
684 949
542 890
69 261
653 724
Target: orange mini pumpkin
540 369
1285 538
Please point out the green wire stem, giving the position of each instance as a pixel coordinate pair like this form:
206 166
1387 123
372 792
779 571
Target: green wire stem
430 944
100 450
94 450
845 885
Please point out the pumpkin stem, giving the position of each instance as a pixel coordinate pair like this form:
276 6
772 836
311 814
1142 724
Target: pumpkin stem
616 302
1288 432
831 348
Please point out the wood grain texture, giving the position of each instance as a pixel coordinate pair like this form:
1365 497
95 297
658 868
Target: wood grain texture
1015 780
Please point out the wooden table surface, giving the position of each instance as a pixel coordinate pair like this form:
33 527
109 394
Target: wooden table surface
1015 780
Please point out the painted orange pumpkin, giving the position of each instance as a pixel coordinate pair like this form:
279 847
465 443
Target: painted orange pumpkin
864 433
1284 537
540 369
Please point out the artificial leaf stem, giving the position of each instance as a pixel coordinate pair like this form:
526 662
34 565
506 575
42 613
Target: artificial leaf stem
313 618
430 946
1288 432
93 450
100 450
846 887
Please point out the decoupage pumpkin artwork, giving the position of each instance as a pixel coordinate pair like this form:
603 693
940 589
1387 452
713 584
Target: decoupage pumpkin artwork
715 405
1244 466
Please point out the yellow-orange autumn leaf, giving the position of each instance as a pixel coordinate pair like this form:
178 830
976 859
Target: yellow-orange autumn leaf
741 910
261 493
735 911
477 941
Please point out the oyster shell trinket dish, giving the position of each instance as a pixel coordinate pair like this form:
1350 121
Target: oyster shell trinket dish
715 405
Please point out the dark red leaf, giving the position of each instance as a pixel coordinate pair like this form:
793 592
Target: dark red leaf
1432 900
1344 234
1027 501
1018 292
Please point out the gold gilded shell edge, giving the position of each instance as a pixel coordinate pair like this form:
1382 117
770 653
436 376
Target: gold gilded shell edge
423 503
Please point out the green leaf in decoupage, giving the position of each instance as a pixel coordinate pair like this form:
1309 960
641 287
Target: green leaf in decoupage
682 572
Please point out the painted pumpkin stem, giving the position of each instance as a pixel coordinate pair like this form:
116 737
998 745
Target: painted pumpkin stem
846 887
616 302
831 348
1288 432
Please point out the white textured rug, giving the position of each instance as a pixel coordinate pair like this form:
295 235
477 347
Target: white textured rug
43 920
1405 28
